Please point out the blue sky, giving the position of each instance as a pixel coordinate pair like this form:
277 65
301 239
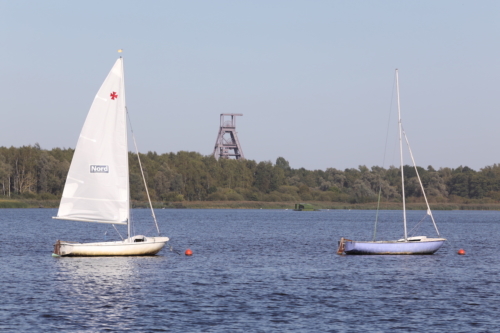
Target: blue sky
314 79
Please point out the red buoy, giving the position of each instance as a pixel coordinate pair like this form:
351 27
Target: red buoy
461 252
188 252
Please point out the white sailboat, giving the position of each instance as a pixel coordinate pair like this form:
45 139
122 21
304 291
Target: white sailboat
97 185
406 245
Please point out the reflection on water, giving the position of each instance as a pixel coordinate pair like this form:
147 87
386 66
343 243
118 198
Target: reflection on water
102 287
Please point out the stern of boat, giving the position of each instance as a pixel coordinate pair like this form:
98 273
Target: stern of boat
341 248
57 249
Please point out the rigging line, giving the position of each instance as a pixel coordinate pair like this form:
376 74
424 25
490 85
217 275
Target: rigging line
417 225
117 231
142 172
401 156
376 215
388 124
132 221
429 212
383 161
147 231
171 248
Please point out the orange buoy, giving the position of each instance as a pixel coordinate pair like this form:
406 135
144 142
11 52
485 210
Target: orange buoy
461 252
188 252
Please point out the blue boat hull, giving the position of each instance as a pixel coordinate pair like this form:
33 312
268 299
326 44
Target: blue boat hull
425 246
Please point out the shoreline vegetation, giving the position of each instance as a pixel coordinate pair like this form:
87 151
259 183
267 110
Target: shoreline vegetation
321 205
32 177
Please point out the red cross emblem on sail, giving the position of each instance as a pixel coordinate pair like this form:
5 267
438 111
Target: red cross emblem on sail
113 95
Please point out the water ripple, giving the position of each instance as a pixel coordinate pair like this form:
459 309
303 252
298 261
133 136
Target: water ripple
256 271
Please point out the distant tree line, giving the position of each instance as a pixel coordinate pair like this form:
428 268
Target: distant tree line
34 173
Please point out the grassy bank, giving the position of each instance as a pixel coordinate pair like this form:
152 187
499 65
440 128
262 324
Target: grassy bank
13 204
21 203
316 204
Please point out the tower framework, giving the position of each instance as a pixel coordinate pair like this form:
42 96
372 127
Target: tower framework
227 144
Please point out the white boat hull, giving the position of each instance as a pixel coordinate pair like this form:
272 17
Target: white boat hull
134 246
414 245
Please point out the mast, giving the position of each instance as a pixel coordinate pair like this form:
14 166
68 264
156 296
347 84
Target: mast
401 156
125 107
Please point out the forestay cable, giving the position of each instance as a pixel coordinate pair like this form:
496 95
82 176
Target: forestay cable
142 172
429 212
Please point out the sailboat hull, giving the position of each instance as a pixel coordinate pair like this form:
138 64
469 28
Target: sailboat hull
135 246
427 246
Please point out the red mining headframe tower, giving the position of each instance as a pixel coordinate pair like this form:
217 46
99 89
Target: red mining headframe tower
227 139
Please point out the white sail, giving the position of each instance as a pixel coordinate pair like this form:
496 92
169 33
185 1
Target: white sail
97 186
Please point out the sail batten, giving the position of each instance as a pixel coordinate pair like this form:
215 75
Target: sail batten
97 199
96 188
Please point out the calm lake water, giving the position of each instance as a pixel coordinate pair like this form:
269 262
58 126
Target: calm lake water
252 270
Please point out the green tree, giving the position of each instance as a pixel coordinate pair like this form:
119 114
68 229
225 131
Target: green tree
283 164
